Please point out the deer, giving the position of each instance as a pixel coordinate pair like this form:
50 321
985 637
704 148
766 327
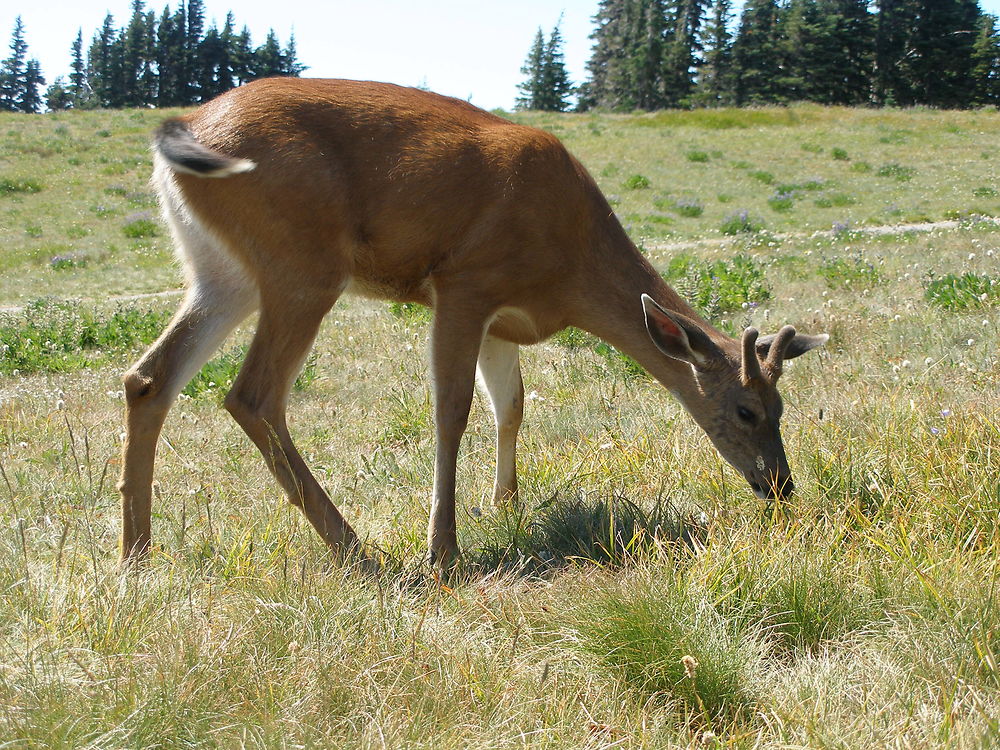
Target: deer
286 193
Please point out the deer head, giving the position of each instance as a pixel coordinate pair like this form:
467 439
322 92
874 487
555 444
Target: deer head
736 400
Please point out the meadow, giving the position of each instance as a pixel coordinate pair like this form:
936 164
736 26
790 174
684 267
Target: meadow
638 595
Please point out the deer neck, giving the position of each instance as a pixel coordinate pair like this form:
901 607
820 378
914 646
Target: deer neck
613 312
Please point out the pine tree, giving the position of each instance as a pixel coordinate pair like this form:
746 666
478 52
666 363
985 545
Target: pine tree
645 54
609 84
986 62
290 54
31 92
213 65
715 85
939 61
241 57
58 96
137 73
756 54
194 29
547 85
13 71
896 18
531 87
104 66
267 59
683 51
853 44
77 89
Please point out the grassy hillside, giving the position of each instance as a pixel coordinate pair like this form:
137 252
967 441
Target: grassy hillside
639 596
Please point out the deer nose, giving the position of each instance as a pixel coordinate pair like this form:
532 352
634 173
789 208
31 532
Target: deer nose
784 487
776 488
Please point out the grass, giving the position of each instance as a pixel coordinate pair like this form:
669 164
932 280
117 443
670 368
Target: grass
863 612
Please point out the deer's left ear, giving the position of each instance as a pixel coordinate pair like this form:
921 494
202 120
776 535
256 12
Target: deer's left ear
799 345
679 337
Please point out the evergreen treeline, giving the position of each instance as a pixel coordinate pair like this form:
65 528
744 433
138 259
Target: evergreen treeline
547 86
163 60
652 54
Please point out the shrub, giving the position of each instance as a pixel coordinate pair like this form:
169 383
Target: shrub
985 192
70 260
140 225
964 292
721 286
763 176
697 156
740 223
781 201
852 273
690 207
896 171
10 186
636 182
839 154
56 336
861 166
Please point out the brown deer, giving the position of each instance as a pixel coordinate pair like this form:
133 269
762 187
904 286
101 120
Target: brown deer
324 187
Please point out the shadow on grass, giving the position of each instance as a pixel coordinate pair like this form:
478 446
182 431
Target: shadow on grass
565 529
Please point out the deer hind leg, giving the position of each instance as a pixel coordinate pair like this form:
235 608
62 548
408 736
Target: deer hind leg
209 313
259 398
499 371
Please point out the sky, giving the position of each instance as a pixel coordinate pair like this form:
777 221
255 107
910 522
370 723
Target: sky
466 48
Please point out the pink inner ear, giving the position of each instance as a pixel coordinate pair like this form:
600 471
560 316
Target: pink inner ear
666 325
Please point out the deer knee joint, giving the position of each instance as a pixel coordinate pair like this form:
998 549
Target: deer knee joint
138 386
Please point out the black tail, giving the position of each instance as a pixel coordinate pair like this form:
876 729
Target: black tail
176 143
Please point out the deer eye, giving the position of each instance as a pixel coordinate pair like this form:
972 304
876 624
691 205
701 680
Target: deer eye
746 415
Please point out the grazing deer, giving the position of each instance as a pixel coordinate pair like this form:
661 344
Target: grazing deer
286 193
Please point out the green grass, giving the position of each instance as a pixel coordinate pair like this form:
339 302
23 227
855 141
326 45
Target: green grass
967 291
861 613
55 336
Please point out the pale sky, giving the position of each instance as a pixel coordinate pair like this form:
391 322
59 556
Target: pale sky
465 48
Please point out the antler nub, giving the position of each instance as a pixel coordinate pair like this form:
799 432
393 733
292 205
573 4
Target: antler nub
750 369
776 354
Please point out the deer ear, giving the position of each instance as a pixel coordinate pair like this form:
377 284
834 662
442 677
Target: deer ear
800 344
678 336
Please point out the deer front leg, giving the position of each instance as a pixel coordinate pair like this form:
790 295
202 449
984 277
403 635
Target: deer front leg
455 340
500 375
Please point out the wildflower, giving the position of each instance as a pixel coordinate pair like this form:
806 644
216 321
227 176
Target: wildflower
690 666
946 413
